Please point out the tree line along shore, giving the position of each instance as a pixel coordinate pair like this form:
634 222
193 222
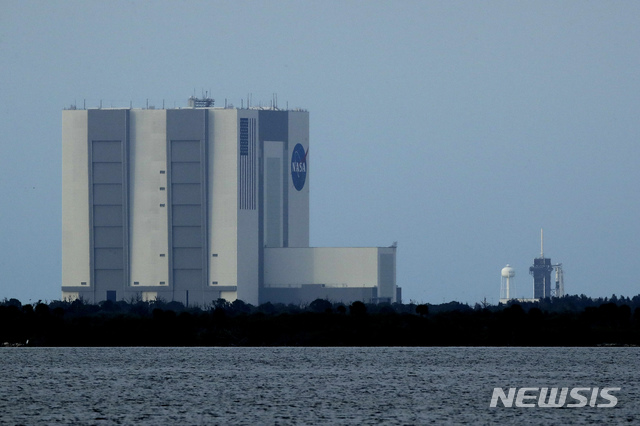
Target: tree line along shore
566 321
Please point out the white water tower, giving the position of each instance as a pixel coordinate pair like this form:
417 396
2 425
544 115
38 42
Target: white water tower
507 286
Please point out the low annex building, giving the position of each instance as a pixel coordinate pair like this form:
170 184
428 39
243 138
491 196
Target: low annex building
200 203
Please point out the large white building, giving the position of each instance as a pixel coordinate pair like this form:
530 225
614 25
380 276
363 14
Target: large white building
200 203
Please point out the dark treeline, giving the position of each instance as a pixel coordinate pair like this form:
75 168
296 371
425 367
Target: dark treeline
566 321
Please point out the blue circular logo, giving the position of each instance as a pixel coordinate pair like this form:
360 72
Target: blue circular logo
299 166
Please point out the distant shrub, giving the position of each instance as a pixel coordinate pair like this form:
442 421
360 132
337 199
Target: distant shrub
320 305
358 308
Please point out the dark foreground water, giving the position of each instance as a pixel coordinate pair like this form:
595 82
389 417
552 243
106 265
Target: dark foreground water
306 385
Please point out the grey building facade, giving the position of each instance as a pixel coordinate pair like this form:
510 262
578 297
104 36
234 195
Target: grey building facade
181 204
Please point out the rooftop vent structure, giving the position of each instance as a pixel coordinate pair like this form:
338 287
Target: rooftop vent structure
201 102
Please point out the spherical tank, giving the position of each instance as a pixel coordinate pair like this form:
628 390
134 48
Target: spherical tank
508 272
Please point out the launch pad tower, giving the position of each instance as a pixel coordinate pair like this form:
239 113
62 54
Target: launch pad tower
541 271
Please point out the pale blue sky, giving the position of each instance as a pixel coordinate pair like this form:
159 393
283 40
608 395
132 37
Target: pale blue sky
458 129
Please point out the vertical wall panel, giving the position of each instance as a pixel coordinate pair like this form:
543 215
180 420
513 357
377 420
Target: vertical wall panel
247 254
149 240
223 213
273 206
274 126
186 146
386 275
76 248
298 201
248 186
108 132
273 202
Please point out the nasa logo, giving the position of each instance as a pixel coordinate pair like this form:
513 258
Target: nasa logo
299 166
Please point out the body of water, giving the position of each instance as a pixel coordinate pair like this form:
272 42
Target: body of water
306 385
